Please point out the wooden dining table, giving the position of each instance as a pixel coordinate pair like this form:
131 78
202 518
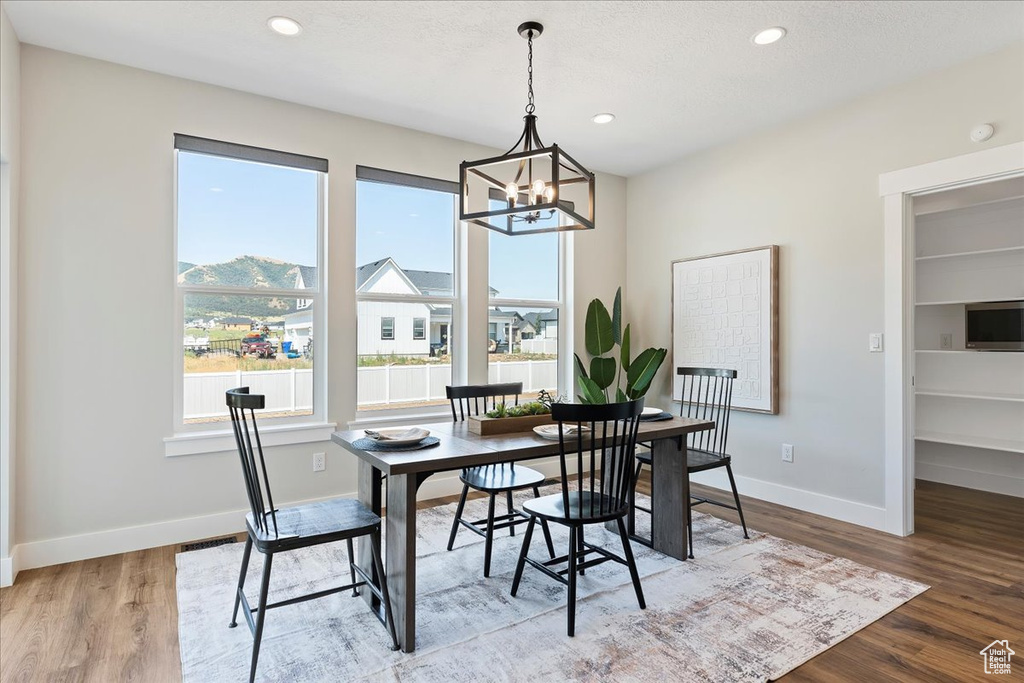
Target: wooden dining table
460 448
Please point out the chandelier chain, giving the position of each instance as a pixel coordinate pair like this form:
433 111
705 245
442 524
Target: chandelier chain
530 106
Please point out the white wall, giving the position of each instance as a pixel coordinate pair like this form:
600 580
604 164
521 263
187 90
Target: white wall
812 188
97 237
10 169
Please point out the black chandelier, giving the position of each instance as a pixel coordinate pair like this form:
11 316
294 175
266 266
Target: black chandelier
530 188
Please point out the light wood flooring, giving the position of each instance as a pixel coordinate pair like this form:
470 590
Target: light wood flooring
115 618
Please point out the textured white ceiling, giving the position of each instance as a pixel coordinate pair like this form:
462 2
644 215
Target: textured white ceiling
680 76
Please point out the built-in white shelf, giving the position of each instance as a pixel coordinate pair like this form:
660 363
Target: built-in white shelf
970 253
979 395
966 399
990 443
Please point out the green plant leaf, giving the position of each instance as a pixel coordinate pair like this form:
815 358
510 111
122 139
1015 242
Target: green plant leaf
598 333
602 371
624 349
620 396
642 370
591 391
617 317
580 366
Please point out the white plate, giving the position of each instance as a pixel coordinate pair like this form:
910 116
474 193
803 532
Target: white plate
398 436
550 432
650 412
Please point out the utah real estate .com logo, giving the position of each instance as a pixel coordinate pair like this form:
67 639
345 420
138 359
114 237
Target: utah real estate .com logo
997 657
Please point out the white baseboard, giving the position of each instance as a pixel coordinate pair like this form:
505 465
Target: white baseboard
128 539
9 568
800 499
972 479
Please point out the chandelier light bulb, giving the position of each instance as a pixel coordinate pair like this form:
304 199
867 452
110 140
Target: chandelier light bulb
538 187
549 194
512 191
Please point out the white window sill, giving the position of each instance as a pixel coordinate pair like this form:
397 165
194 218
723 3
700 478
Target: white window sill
399 418
221 440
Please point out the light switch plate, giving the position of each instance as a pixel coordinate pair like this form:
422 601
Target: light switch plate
946 341
875 342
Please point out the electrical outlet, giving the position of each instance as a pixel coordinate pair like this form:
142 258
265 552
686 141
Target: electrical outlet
946 341
787 452
319 462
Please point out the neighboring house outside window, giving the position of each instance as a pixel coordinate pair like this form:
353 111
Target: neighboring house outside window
249 298
387 329
419 328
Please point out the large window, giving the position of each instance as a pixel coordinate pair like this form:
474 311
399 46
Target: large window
249 279
526 304
405 289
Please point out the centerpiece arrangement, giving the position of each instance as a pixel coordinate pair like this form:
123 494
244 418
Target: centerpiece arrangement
505 419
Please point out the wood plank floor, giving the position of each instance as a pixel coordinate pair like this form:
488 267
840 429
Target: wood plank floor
115 618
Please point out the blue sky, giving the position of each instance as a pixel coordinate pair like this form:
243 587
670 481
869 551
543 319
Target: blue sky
227 208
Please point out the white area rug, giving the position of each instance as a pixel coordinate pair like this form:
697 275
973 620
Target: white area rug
744 610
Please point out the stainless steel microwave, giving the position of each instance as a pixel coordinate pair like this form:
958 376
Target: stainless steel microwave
996 326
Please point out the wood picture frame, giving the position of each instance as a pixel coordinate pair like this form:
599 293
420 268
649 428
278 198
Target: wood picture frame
725 314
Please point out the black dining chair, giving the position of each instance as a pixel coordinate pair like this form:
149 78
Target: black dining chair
705 394
275 530
600 460
467 401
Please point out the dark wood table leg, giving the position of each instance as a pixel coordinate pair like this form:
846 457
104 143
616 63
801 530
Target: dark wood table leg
369 495
670 487
400 561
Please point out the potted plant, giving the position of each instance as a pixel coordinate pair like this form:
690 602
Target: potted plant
603 333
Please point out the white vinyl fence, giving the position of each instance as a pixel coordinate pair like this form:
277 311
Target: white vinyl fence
421 383
285 390
539 346
292 390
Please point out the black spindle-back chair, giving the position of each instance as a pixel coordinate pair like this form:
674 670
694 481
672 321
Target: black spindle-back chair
273 530
596 444
705 394
467 401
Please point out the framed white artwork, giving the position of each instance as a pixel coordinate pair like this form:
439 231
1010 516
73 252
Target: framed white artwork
725 314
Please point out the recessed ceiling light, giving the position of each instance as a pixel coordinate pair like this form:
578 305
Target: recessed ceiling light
284 26
769 35
603 118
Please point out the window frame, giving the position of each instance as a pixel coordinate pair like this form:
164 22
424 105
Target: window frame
383 325
400 412
210 437
422 322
